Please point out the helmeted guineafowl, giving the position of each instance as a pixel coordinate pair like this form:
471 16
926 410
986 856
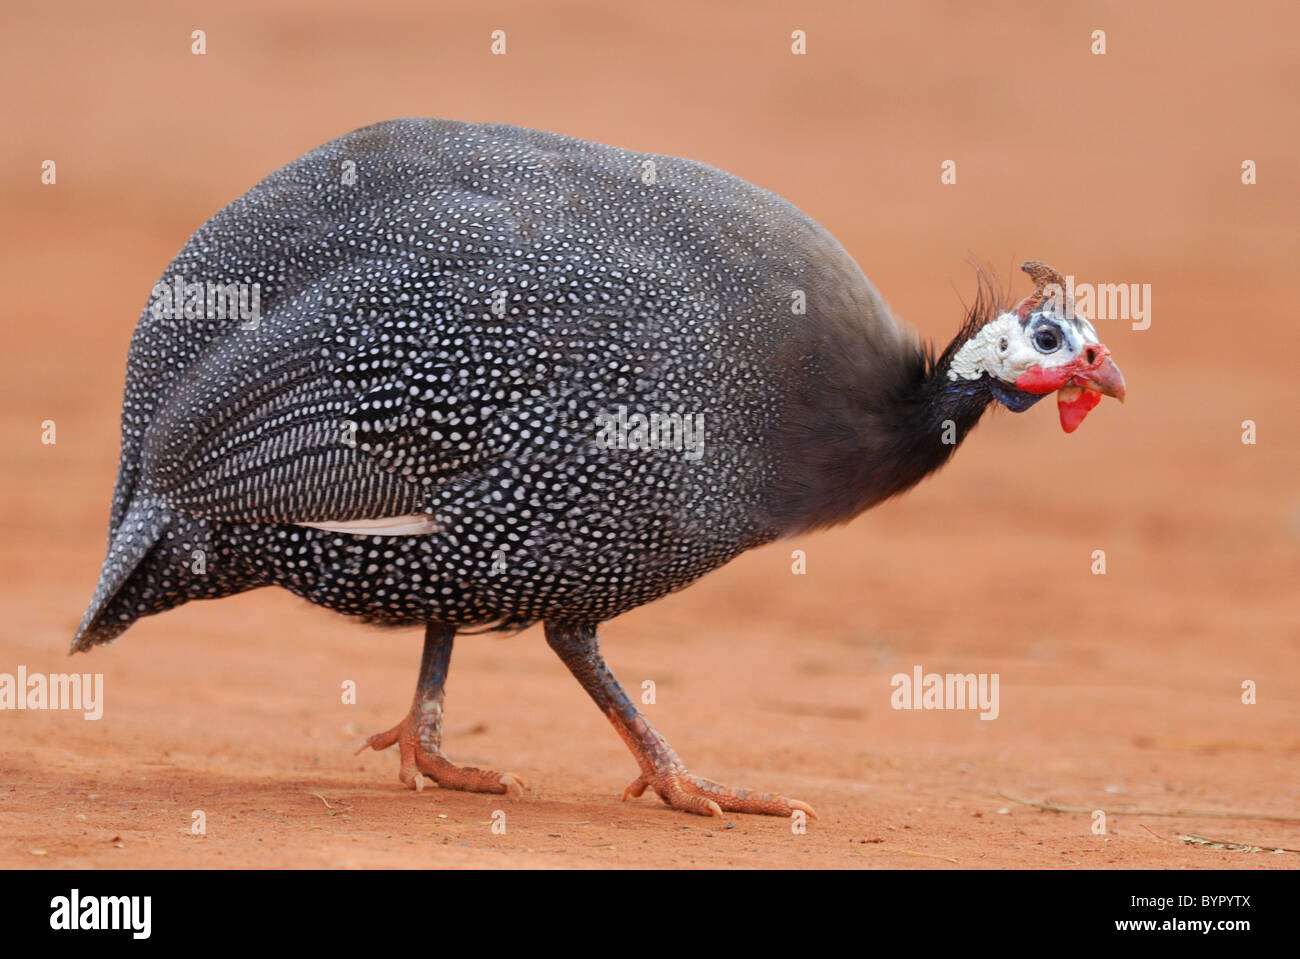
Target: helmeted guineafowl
455 375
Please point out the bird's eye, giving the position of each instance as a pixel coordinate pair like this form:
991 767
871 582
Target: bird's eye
1046 340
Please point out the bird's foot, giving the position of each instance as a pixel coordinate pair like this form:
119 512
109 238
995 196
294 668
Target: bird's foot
418 761
682 790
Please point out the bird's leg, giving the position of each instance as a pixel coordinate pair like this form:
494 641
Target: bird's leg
661 769
419 735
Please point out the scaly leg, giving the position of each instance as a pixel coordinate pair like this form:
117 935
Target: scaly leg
661 769
419 735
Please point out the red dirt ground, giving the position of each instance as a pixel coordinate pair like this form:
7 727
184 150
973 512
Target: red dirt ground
1117 691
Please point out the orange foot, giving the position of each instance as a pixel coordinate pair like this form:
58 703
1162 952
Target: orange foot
682 790
418 758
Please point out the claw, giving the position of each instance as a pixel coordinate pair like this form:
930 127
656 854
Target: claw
634 789
420 761
796 804
706 798
379 741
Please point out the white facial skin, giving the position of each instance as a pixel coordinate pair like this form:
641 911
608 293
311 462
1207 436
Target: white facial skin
1005 349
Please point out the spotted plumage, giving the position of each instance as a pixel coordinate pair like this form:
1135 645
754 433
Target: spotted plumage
377 309
408 428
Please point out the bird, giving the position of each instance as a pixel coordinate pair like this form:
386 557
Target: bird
472 377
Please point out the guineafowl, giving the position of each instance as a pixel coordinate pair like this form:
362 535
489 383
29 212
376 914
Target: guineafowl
464 375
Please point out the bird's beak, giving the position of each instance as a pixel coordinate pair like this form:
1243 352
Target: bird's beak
1095 376
1104 377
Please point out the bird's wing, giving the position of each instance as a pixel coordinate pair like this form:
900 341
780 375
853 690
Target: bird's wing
336 409
377 365
472 290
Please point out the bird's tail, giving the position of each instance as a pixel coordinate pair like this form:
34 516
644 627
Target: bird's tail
109 615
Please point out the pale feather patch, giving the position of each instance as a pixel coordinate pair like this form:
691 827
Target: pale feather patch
414 524
1002 349
999 348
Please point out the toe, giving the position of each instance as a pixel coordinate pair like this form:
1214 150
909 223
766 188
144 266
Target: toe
380 740
635 788
802 806
701 805
705 797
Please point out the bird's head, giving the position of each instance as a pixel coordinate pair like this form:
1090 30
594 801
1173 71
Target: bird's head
1040 346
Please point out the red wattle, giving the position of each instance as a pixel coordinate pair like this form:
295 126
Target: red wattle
1073 411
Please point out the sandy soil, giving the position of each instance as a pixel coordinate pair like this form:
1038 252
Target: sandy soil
1117 691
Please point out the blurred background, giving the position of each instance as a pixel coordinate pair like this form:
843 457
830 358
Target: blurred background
1121 689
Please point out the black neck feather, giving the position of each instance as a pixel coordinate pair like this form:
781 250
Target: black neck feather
873 422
